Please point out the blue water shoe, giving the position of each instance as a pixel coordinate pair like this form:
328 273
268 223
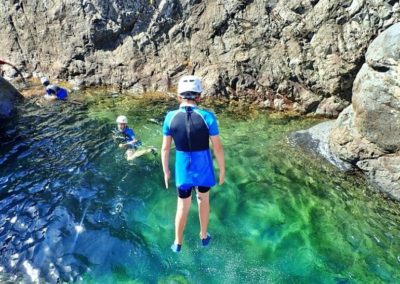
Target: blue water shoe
176 248
205 242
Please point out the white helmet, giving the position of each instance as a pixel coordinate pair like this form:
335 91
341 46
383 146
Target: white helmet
189 84
44 80
122 119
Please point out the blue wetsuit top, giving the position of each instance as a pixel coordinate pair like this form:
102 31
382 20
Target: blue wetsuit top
61 93
191 128
128 134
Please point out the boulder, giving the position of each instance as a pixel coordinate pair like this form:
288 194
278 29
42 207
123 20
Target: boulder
367 133
9 96
384 172
315 141
376 92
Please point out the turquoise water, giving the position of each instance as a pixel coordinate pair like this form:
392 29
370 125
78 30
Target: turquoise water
74 210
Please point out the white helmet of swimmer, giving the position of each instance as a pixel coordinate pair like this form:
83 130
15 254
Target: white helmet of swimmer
44 80
189 84
122 119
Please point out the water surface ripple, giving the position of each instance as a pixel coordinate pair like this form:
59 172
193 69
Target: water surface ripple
72 209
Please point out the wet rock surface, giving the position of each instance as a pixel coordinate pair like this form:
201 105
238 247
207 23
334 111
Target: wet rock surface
9 96
315 141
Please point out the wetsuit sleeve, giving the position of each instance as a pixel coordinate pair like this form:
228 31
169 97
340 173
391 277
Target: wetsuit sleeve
212 124
52 89
130 135
167 121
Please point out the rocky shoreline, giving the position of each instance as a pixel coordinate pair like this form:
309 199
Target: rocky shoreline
366 135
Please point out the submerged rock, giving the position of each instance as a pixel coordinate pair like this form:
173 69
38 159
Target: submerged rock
8 97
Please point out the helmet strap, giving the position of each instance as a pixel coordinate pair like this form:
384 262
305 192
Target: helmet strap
195 100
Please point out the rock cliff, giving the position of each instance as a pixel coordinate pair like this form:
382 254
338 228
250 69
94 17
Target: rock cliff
282 54
367 133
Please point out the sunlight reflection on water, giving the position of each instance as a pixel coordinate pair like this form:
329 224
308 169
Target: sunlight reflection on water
73 209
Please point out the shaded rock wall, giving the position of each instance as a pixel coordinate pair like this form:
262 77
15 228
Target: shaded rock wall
367 133
282 54
8 97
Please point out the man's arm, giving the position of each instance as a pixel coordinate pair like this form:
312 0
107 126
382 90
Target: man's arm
165 149
219 155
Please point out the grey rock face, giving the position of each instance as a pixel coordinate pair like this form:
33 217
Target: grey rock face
384 172
376 96
314 140
260 51
8 97
367 133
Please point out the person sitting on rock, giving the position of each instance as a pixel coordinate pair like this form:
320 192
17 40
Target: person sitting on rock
127 138
53 92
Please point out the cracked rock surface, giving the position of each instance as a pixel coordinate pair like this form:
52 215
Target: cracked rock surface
367 133
284 54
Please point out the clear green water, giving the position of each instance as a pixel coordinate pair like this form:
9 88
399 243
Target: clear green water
281 217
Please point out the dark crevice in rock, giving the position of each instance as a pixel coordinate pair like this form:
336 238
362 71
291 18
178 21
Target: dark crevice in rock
300 10
381 69
101 37
392 2
308 37
11 22
222 26
234 82
346 80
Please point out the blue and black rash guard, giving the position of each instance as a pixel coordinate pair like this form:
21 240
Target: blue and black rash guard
191 128
127 136
61 93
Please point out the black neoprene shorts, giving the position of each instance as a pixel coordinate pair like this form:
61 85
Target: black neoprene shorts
185 193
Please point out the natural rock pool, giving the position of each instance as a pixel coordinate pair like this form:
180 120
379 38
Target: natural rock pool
73 209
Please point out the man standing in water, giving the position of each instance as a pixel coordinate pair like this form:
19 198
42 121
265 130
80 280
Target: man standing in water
191 129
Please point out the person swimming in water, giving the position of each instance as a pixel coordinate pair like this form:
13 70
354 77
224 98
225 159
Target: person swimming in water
127 138
53 92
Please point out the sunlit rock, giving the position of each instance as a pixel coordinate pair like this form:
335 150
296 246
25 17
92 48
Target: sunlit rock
240 48
367 133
